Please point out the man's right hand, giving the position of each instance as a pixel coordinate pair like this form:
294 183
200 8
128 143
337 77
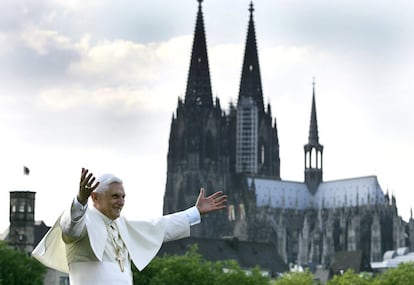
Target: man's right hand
86 186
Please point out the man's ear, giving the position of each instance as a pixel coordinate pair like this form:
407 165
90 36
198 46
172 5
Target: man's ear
94 196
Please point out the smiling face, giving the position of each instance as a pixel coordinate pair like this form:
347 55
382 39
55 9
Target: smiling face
111 201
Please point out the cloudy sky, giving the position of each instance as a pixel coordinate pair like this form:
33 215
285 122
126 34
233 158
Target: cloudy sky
95 83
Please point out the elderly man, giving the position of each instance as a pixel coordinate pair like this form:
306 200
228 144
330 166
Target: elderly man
96 245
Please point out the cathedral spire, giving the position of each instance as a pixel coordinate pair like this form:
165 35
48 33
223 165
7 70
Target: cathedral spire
257 147
198 92
250 84
313 128
313 151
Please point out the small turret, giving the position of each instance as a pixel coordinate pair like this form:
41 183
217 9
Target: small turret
313 152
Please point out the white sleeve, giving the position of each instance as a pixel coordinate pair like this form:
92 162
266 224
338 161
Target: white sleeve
72 221
193 216
178 224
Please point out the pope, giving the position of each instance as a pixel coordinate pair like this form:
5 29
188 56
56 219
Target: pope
96 245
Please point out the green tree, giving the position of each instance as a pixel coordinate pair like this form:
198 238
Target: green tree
191 268
351 278
403 274
17 268
186 269
230 273
296 278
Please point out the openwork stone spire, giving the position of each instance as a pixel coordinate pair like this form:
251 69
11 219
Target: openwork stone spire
198 93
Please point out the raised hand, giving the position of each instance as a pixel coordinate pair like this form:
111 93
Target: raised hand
215 202
86 186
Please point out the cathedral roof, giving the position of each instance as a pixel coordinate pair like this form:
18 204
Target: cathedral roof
281 194
349 193
332 194
347 259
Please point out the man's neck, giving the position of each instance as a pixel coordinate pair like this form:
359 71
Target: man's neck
102 215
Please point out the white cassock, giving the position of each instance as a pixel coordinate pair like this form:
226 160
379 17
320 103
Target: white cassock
83 244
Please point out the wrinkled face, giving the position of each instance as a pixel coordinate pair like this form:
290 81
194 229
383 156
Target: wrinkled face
110 202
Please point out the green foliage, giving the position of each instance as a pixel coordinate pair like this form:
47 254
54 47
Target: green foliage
187 269
191 268
401 275
230 273
350 278
296 278
17 268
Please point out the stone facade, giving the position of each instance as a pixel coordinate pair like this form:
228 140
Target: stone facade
24 233
22 224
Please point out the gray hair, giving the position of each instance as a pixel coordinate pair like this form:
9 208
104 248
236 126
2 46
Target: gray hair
105 180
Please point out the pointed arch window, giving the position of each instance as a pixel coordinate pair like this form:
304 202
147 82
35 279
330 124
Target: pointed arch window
231 213
242 212
262 154
307 159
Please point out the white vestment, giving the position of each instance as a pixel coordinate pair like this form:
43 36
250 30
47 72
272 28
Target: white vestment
86 258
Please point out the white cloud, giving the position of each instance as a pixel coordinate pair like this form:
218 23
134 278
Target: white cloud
119 99
125 62
42 41
76 5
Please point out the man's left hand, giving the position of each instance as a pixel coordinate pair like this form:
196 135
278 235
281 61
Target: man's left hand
215 202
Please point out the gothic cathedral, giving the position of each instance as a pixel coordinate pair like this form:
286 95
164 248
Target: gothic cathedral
238 151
